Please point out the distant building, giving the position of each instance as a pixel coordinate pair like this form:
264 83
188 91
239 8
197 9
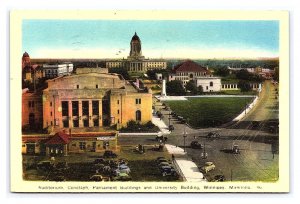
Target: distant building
209 84
136 62
32 110
188 70
51 71
92 98
263 72
30 72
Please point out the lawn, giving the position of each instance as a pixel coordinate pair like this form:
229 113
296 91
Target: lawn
209 112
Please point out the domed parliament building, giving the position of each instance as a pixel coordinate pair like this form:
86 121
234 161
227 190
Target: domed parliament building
136 62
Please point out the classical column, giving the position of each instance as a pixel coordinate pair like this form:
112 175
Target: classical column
80 113
91 124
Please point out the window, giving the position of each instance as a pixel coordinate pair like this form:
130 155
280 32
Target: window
32 103
77 86
118 102
65 108
50 104
138 115
66 123
138 101
211 83
82 145
51 113
118 111
96 86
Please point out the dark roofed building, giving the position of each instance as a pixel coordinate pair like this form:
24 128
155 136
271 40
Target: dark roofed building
188 70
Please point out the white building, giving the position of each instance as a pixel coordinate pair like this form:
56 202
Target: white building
209 84
55 70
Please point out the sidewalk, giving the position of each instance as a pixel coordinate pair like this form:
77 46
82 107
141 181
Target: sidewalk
187 168
161 125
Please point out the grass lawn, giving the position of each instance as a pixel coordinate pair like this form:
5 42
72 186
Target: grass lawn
238 92
209 112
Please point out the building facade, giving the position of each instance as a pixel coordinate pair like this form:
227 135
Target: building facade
136 62
91 98
32 109
51 71
188 70
209 84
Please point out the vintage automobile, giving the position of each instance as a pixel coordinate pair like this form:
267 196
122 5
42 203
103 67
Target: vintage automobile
219 178
196 145
213 135
168 171
122 177
209 166
96 177
109 154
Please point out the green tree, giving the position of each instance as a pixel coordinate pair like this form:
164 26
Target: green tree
175 88
200 89
191 87
222 71
244 86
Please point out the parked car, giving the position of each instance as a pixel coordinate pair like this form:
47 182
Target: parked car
122 177
171 127
96 177
160 165
213 135
124 169
161 160
57 178
219 178
196 145
109 154
45 166
168 171
208 167
99 161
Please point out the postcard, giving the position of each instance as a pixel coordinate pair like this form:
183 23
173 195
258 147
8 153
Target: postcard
149 101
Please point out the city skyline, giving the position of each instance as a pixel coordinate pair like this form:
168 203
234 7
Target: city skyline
99 39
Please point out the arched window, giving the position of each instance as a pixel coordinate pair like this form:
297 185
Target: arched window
211 83
191 75
138 115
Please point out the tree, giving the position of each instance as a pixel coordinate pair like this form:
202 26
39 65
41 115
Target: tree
175 88
200 89
243 74
191 87
244 86
222 71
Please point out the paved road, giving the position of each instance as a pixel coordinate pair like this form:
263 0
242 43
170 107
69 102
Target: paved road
258 159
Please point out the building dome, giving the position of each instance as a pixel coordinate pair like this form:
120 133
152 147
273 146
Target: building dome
25 54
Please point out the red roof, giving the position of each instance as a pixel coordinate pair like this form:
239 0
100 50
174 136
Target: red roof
59 138
190 66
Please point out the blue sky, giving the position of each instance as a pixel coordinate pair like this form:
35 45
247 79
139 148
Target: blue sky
166 39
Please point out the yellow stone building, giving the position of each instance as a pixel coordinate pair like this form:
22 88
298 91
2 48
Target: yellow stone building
94 98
